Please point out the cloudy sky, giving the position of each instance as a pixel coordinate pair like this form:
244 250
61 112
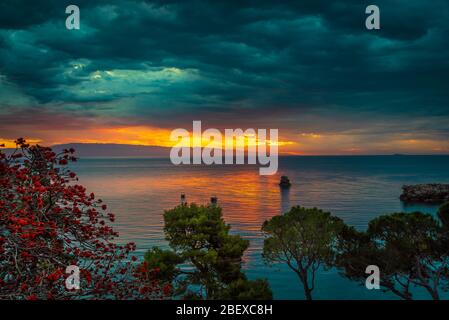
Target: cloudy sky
138 69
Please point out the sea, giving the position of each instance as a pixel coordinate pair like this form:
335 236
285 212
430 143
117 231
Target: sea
354 188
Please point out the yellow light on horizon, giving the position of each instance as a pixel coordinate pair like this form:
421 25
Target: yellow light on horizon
11 144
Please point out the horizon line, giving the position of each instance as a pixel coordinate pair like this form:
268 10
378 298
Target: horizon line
286 154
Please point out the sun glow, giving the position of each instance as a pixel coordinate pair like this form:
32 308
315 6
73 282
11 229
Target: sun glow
11 144
135 135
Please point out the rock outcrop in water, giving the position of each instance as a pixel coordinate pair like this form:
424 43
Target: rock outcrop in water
427 193
285 182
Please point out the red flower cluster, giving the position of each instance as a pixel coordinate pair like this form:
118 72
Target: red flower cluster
48 222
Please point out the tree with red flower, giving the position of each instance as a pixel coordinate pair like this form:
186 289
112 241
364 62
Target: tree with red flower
49 222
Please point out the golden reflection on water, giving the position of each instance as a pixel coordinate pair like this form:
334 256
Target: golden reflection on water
139 197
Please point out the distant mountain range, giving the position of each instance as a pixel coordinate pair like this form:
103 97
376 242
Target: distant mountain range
86 150
113 150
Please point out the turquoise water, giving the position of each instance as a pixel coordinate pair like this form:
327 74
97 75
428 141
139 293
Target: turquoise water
356 189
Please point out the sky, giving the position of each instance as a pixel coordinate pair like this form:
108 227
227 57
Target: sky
136 70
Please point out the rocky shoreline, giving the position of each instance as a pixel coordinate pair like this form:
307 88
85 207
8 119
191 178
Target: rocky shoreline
426 193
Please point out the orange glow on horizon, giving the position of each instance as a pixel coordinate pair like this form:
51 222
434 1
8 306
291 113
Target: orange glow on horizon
291 143
11 144
141 135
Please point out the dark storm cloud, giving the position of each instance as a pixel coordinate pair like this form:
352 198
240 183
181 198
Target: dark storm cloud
288 63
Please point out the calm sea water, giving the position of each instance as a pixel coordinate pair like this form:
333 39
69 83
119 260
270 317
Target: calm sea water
356 189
